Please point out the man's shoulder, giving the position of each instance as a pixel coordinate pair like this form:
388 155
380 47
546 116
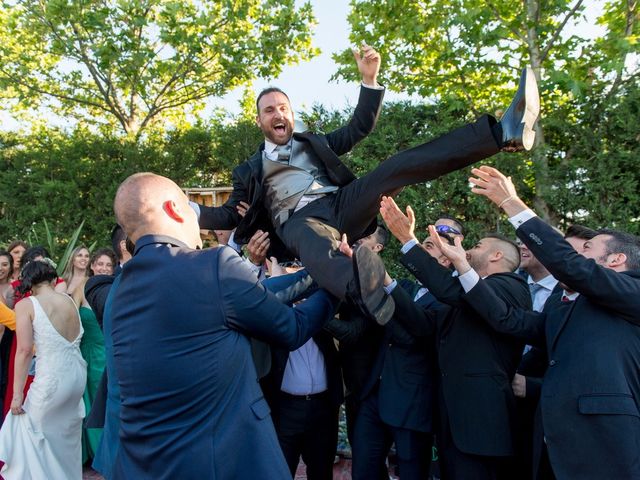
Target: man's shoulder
510 282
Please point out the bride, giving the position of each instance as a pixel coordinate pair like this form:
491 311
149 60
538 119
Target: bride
41 437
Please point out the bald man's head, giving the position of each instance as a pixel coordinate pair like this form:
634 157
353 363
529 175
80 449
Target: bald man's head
147 203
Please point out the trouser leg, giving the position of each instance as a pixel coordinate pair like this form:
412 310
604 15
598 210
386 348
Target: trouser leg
315 243
358 203
372 440
413 453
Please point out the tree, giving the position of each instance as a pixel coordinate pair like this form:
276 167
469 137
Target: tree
466 53
131 62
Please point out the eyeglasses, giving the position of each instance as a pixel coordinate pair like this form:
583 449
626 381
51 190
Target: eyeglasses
447 229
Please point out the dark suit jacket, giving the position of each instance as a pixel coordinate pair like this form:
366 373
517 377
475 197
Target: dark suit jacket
591 391
247 177
191 405
404 371
273 381
476 363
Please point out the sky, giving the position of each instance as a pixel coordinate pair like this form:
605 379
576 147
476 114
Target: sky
309 82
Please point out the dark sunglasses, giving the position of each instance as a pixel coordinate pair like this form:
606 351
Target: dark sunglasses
447 229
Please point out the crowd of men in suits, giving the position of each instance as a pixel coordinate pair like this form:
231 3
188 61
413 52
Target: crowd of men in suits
225 374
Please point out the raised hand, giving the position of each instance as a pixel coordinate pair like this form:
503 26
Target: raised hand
368 61
455 253
498 188
400 225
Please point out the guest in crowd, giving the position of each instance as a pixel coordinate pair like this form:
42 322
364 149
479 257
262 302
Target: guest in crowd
77 269
37 252
6 270
103 262
41 437
206 399
476 405
590 393
17 249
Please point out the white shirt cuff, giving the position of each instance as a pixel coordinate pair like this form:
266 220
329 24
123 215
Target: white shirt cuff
196 208
469 280
409 245
519 218
389 288
372 87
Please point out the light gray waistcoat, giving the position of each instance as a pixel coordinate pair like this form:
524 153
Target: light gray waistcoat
286 183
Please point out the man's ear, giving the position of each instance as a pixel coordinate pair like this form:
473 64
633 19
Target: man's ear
616 260
496 256
171 209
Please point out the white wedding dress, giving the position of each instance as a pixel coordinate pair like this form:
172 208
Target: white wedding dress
44 443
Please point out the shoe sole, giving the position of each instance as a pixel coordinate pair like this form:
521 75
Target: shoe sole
532 110
385 305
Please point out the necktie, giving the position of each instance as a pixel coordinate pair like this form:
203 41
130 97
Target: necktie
565 299
284 152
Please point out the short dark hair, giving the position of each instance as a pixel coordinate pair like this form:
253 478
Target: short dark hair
267 91
626 243
580 231
5 253
117 236
458 223
382 235
33 252
34 273
513 261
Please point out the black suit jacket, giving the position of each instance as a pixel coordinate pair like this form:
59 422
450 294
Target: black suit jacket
247 177
404 371
476 363
591 390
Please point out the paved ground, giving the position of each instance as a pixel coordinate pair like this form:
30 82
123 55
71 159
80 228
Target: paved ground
341 471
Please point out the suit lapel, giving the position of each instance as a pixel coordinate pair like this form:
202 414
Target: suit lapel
568 310
337 171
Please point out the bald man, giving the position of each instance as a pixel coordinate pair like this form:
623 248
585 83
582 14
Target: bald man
191 405
476 405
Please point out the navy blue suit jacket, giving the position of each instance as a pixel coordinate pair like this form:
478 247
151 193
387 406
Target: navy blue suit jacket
191 404
591 390
405 370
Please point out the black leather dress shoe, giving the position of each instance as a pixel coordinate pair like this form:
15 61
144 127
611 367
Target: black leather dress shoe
517 122
370 297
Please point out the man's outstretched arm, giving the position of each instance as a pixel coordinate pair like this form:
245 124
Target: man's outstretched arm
369 104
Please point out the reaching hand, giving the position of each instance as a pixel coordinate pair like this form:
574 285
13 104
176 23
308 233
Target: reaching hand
492 184
258 247
242 208
344 246
368 61
455 253
274 268
400 225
